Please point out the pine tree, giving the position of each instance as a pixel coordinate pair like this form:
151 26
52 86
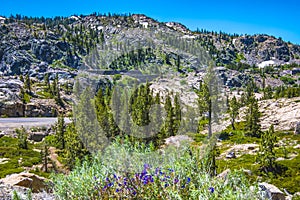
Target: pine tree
44 155
22 138
169 121
233 111
27 83
47 82
102 112
125 123
177 113
75 149
60 131
209 104
204 104
157 120
266 156
252 126
87 126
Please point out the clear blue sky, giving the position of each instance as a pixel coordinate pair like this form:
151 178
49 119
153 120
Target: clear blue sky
273 17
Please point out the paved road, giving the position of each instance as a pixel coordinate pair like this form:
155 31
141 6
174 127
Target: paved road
12 123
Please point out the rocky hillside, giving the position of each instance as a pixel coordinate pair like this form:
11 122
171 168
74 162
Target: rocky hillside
116 44
37 45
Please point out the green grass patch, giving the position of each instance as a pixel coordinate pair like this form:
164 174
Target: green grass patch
44 95
9 149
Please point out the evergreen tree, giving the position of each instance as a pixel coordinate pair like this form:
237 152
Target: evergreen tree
103 113
47 82
22 138
268 93
27 83
169 121
177 113
44 155
74 149
157 119
233 111
60 131
209 101
204 104
252 126
125 123
87 126
266 156
56 91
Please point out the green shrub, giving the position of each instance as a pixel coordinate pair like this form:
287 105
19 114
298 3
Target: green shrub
175 175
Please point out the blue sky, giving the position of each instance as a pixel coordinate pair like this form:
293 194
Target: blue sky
278 18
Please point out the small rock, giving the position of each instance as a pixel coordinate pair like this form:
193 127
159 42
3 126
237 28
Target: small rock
37 136
272 192
280 159
297 194
247 171
231 155
297 146
223 175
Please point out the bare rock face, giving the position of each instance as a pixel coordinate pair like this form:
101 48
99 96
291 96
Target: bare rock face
272 192
27 180
283 113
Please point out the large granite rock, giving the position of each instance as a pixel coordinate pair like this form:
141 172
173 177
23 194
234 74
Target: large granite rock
15 62
27 180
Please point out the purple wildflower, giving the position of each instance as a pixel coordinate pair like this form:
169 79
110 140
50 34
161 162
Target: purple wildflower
188 180
211 189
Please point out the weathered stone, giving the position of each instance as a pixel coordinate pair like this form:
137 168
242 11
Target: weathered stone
37 136
223 175
272 192
28 180
231 155
177 140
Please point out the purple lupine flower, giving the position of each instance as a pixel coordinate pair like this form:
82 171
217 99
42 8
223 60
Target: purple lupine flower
171 170
118 190
176 180
211 189
188 180
146 166
104 188
157 170
110 184
151 179
166 185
